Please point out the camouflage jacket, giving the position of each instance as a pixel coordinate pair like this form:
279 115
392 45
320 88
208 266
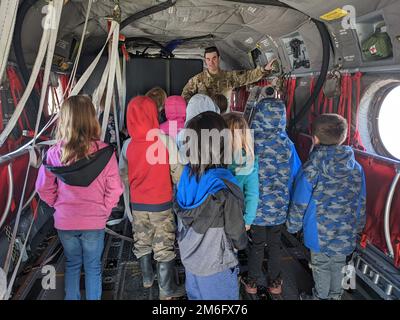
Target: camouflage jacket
223 82
329 201
278 162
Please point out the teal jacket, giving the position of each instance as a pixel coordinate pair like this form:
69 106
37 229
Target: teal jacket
248 182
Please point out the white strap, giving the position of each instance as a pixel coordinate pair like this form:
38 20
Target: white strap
123 94
120 90
8 15
116 128
58 4
76 62
99 91
3 284
35 71
111 78
84 78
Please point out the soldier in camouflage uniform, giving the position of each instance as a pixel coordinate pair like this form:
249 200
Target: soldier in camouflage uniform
329 204
214 81
278 166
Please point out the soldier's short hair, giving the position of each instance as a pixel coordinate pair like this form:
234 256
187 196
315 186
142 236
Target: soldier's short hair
330 129
211 49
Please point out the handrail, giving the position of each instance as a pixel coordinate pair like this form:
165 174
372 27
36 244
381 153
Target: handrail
23 150
10 195
387 212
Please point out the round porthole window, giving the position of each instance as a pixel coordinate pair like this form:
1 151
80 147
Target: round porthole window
388 123
379 118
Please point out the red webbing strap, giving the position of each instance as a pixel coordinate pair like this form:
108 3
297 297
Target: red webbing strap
232 102
349 108
312 111
342 105
330 105
34 206
15 88
325 107
1 115
364 241
357 139
291 92
397 254
123 47
64 79
319 102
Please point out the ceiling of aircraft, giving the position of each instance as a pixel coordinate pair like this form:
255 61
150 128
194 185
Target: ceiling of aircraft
237 28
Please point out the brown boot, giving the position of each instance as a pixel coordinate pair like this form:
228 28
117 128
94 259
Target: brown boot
249 285
275 287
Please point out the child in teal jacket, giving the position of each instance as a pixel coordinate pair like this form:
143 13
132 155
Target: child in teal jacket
245 164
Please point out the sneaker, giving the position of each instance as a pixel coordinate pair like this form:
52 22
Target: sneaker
249 284
275 287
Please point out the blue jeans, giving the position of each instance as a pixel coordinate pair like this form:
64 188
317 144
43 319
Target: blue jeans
328 276
82 246
220 286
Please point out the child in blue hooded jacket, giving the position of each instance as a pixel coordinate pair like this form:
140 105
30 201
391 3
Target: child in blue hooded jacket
329 204
278 166
244 165
209 207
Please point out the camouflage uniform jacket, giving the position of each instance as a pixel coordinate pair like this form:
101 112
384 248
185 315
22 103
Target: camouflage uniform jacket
329 201
278 162
223 82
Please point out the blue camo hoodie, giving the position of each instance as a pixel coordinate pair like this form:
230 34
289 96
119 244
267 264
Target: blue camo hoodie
277 159
329 201
210 221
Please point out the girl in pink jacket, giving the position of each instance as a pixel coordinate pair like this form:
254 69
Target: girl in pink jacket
80 179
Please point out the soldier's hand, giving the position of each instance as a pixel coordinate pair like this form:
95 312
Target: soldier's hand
270 65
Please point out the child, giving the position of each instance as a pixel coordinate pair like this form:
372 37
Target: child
151 196
111 133
158 95
329 204
278 166
175 111
222 102
197 104
210 215
80 179
245 165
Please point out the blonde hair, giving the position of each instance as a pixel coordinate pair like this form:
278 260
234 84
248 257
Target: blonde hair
242 138
158 95
77 127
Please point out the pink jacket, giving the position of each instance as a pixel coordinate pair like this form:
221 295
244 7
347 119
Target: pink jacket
175 111
80 208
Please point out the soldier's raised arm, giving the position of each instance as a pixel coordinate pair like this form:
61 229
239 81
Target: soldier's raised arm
245 77
190 89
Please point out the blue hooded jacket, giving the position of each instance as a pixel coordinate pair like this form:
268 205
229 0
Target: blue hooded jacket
329 201
210 221
278 162
191 192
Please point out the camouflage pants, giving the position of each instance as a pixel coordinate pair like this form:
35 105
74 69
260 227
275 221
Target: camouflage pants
154 231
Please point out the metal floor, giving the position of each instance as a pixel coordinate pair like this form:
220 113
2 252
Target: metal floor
122 276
